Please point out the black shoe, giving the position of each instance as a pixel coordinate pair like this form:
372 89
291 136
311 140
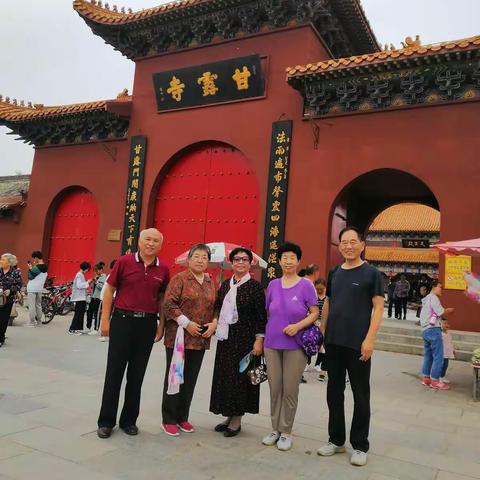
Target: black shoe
221 427
130 430
104 432
232 433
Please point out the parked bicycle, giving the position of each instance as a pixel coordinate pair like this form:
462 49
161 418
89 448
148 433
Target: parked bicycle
56 301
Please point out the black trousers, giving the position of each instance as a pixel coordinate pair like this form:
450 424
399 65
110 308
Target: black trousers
5 311
339 361
391 303
401 306
92 313
77 320
131 341
176 408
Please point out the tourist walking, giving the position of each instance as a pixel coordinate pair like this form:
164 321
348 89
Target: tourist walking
291 307
391 298
101 338
430 321
79 297
10 285
240 309
351 318
189 312
137 281
402 289
99 280
37 275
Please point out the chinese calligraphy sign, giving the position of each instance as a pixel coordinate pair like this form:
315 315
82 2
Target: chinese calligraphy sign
226 81
133 205
277 197
455 267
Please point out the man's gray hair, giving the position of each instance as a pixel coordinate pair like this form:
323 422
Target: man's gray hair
12 259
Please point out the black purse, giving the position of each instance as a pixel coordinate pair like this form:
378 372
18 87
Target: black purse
258 374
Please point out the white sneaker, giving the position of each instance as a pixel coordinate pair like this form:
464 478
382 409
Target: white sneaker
307 368
102 339
318 368
358 458
284 443
271 439
330 449
445 380
74 332
30 325
92 332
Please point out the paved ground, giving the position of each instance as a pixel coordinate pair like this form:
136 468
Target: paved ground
50 387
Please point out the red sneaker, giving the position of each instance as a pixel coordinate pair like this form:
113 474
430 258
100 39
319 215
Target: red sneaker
437 385
426 381
170 429
186 427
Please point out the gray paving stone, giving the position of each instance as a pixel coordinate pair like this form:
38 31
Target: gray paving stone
12 423
10 449
61 444
416 433
38 465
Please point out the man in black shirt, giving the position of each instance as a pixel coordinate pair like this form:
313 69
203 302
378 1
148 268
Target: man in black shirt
351 317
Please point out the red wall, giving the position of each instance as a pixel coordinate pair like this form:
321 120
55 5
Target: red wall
58 168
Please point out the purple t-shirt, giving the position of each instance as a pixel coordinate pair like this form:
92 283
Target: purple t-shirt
286 306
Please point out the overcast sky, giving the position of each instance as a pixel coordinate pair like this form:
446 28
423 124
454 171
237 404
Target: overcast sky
50 56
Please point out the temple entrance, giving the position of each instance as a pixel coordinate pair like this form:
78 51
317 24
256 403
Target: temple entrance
209 194
400 218
73 235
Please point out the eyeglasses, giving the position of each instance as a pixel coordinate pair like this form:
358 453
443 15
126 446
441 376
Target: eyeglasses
241 260
352 243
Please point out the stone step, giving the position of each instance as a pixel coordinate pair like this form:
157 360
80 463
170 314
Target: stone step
412 349
406 337
416 340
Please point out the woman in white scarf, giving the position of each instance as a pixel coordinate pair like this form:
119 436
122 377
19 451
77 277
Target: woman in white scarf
240 307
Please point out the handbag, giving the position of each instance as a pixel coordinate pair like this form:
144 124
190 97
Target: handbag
258 374
309 339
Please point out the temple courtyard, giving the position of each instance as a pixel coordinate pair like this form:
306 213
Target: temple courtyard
50 390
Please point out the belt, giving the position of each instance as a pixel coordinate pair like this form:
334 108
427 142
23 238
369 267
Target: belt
136 314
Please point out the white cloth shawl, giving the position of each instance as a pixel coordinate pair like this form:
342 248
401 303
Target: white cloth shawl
228 314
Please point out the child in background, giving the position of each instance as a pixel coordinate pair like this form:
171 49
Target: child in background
321 287
448 349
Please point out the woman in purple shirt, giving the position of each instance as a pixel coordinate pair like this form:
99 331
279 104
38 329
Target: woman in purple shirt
291 307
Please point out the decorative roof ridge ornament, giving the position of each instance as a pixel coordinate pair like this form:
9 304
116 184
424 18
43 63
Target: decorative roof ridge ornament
123 95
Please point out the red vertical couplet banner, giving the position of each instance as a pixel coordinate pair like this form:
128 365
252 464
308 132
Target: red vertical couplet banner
275 217
133 203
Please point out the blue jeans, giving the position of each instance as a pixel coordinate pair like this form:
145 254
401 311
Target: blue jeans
433 353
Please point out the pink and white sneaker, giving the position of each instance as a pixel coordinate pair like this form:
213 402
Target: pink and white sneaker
426 381
437 385
170 429
186 427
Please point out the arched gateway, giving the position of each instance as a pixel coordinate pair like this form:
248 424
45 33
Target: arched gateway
73 236
209 194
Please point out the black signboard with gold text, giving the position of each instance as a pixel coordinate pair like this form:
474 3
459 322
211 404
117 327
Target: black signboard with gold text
226 81
276 197
133 204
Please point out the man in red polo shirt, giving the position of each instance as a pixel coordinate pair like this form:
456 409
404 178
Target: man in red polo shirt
139 281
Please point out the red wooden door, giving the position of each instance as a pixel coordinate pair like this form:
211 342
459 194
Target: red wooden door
209 195
74 235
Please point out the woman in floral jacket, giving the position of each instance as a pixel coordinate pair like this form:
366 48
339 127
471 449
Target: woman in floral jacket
10 285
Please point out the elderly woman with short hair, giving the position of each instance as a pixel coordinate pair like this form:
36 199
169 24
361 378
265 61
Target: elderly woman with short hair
291 307
10 285
188 309
240 308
